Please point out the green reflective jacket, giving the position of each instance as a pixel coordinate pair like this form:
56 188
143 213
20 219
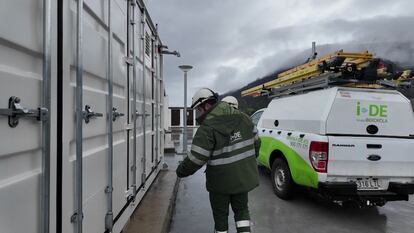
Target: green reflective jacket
227 143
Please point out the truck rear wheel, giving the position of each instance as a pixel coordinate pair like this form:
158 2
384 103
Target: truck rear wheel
281 179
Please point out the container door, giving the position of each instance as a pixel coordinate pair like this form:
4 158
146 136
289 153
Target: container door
96 134
94 140
136 100
24 119
120 103
150 103
158 104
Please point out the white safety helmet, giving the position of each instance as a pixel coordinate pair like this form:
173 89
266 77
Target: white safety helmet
202 96
232 101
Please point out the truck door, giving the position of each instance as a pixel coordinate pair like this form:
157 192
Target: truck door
370 135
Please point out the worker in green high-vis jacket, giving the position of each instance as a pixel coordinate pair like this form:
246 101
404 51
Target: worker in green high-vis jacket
226 141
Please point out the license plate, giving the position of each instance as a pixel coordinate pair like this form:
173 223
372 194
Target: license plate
368 183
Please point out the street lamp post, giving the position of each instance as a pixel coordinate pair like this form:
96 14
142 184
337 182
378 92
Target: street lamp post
185 69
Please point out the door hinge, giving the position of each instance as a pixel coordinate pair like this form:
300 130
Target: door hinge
109 189
16 111
133 168
129 193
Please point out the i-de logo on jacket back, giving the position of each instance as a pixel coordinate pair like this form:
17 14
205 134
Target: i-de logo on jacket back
372 112
235 136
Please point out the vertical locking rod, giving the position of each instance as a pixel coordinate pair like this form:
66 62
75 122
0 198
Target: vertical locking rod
46 103
157 92
144 146
79 120
109 215
162 100
134 104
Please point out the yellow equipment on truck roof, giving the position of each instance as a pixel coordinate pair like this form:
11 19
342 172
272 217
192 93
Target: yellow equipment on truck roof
347 61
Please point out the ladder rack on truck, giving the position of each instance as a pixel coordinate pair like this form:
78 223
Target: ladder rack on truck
320 82
336 69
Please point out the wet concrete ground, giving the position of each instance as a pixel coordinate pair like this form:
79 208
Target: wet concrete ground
305 213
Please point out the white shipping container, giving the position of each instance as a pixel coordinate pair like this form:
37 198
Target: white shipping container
100 110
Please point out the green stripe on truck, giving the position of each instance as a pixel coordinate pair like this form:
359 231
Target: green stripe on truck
302 173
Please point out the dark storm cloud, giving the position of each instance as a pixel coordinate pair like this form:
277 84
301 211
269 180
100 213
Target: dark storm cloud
231 43
387 37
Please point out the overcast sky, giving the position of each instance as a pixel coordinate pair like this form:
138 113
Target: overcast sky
233 42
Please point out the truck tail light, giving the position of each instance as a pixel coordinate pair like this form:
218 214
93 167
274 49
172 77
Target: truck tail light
318 156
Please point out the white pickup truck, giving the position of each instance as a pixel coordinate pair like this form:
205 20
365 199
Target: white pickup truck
348 144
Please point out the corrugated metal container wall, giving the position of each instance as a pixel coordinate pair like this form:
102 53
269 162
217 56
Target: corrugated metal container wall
107 71
25 68
20 167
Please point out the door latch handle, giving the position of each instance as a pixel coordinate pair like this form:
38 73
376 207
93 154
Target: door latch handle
141 114
16 111
116 114
89 114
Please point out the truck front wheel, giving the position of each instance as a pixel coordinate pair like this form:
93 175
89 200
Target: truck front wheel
281 179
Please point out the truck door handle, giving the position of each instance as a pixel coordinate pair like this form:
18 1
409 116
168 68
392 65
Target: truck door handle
374 146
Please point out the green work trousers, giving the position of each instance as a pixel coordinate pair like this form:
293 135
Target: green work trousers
220 206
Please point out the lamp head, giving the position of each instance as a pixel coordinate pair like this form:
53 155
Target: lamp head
185 68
